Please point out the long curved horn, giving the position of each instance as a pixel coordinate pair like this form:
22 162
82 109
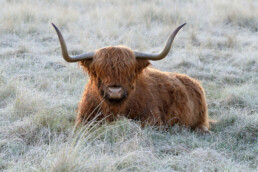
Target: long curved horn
162 54
65 54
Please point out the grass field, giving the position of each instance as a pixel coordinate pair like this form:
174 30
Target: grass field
39 91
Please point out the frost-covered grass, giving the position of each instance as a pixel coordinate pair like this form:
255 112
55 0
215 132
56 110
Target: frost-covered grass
39 91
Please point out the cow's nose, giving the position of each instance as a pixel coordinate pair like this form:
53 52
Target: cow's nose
115 92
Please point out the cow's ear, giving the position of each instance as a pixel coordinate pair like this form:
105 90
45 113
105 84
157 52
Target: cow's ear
141 64
86 65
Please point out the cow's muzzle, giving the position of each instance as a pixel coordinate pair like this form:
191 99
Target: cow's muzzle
115 93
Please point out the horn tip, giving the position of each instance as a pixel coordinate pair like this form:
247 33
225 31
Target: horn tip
54 26
183 25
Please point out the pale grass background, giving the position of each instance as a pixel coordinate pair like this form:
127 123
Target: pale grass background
39 91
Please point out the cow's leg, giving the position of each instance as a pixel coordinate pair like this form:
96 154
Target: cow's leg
203 129
88 110
190 104
154 119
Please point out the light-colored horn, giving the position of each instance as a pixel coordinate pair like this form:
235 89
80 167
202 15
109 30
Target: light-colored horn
162 54
65 54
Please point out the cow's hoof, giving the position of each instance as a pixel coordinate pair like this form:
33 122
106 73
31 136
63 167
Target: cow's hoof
204 130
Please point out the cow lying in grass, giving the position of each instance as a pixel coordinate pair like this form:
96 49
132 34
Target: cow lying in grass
121 83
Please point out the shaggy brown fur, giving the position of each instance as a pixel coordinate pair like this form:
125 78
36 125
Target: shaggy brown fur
153 97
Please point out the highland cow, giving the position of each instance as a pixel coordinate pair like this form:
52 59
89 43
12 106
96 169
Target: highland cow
122 83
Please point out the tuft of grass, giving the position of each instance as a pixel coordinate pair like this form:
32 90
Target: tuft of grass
241 96
66 161
241 14
7 93
56 120
26 18
231 41
193 38
27 102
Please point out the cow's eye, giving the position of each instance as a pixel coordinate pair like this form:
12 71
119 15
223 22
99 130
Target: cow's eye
94 74
99 83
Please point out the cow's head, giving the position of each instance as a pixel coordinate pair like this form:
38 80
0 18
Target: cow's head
114 70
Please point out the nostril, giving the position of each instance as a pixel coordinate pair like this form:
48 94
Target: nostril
115 86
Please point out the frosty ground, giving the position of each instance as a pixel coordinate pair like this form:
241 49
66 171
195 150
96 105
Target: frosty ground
39 91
